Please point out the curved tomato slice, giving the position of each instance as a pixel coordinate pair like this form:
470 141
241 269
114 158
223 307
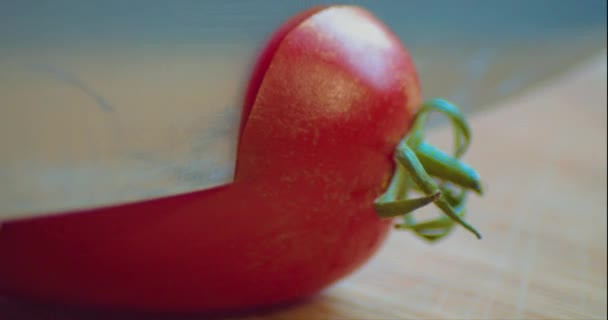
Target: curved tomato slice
329 100
266 56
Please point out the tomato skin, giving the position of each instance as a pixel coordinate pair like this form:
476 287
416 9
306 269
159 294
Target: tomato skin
315 151
266 56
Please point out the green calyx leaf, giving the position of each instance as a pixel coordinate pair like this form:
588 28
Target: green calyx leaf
425 169
441 165
404 206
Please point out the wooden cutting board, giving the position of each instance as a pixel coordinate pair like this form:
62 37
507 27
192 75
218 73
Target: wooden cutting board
543 160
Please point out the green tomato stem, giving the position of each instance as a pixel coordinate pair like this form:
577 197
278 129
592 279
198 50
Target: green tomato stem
424 168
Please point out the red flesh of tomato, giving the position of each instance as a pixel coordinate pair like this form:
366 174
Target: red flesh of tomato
330 98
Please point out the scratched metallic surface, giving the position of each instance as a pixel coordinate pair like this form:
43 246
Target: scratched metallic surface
106 102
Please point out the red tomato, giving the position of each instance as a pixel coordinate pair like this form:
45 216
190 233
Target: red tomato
332 95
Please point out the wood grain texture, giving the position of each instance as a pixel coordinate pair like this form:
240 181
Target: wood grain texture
543 160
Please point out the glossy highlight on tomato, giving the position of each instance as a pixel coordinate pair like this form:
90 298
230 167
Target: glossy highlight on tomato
330 99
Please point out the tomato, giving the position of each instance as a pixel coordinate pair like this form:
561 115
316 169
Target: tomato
330 99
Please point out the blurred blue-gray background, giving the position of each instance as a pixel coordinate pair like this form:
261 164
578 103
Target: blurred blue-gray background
470 51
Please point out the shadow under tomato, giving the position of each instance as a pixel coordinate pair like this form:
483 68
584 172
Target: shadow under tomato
28 310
